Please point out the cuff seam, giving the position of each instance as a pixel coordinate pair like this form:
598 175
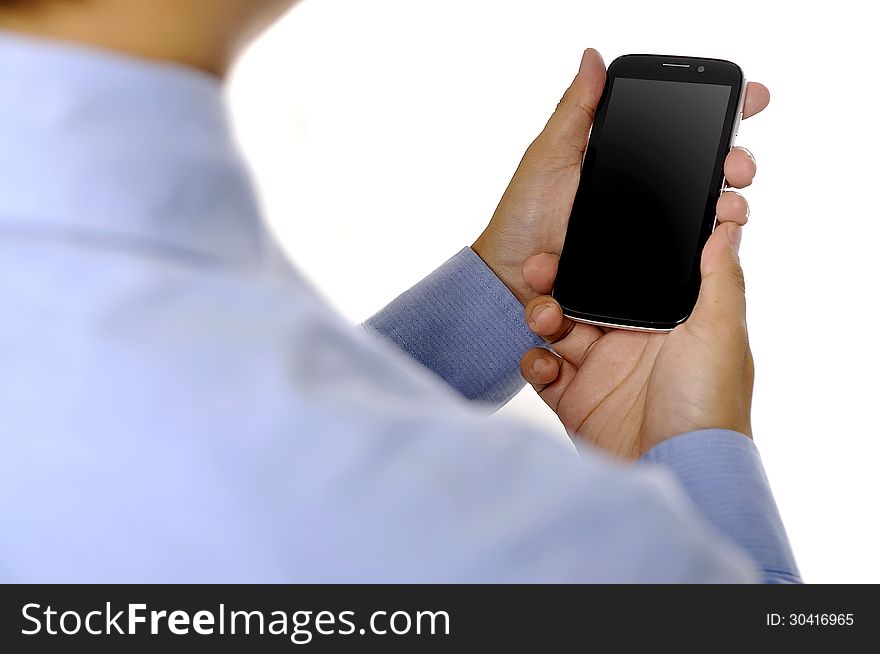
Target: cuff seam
501 303
699 440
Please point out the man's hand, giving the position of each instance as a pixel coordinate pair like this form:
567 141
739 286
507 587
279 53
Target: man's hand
533 214
623 391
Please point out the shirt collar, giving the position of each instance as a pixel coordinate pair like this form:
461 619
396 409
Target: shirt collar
123 147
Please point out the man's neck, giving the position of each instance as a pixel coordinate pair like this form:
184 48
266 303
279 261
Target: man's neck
135 29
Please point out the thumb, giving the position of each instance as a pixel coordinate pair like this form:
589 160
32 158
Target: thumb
722 298
567 130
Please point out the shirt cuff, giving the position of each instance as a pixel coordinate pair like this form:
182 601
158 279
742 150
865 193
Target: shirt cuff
463 324
721 472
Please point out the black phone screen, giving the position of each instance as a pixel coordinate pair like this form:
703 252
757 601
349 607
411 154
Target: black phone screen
647 194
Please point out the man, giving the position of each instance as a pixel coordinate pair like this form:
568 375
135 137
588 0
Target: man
179 405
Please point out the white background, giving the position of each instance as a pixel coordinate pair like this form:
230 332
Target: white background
383 134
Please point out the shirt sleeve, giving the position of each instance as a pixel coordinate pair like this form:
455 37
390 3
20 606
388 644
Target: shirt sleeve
722 474
463 324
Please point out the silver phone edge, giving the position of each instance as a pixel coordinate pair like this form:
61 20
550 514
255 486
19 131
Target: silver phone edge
612 325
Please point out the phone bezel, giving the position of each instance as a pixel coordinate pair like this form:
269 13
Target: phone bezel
651 67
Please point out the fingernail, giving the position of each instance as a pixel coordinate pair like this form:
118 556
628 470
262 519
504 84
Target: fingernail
584 59
734 235
538 366
537 314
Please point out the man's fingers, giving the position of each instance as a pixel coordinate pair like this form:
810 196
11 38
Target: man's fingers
740 167
539 272
732 207
549 375
722 301
571 122
757 99
569 339
544 317
539 368
565 136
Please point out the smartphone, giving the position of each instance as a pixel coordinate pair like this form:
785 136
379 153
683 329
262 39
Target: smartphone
651 177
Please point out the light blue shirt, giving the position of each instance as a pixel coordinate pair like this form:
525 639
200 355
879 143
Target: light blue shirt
178 405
